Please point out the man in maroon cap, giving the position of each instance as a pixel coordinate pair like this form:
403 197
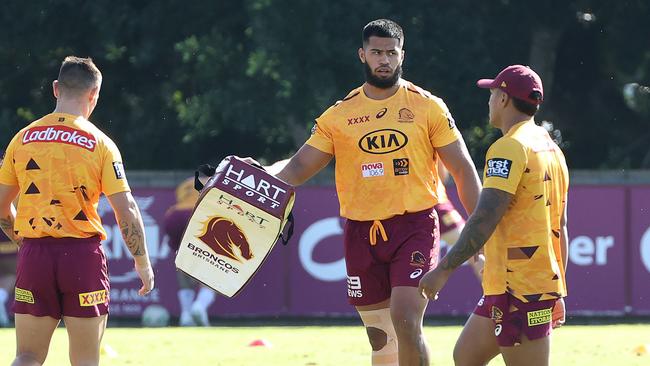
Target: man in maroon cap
521 220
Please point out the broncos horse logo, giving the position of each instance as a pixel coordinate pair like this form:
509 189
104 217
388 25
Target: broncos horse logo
226 238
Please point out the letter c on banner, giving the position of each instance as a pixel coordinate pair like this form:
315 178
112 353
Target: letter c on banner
645 249
321 229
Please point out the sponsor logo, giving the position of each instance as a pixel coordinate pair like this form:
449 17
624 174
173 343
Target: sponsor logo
381 113
60 134
401 166
267 193
22 295
315 128
212 258
93 298
497 329
372 170
539 317
415 274
418 259
226 239
450 120
481 301
357 120
498 167
496 314
383 141
405 116
354 286
119 169
251 216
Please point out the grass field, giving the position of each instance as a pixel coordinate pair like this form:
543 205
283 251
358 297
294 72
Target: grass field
324 346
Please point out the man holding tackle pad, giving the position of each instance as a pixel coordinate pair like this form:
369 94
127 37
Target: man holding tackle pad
387 136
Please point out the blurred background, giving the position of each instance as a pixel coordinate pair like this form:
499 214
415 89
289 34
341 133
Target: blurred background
190 82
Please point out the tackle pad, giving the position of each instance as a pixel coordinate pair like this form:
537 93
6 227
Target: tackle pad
239 216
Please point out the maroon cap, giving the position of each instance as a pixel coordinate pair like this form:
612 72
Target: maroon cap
517 81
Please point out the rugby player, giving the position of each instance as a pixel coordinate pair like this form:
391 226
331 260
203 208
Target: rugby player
521 219
59 165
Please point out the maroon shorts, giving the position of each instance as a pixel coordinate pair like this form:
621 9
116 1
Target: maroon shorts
449 217
512 317
373 270
66 276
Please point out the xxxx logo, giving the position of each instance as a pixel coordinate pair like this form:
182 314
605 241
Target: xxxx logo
355 120
93 298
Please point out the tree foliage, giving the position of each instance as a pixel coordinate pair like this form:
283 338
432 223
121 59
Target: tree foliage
189 82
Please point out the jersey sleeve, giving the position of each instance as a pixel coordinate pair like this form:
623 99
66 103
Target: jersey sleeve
442 127
505 162
113 175
321 136
7 170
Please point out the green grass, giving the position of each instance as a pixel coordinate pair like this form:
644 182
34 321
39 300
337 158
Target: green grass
324 345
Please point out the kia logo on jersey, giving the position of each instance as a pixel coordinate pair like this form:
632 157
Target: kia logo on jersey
383 141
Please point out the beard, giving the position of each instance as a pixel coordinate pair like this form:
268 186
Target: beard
379 82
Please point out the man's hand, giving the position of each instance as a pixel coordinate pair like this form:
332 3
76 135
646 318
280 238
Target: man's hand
559 314
145 272
432 282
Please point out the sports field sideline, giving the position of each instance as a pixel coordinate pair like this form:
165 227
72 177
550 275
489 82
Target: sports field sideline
324 346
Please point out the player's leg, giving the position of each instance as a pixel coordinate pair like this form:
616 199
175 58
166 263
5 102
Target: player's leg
407 312
83 281
533 322
528 353
381 333
199 309
369 291
33 335
36 305
186 295
85 336
477 344
415 241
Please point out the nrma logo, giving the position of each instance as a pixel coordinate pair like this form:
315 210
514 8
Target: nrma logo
383 141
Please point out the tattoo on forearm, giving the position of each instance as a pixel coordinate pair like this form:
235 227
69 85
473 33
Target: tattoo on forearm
7 226
492 205
133 237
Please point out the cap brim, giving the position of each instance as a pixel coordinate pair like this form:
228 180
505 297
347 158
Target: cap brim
485 83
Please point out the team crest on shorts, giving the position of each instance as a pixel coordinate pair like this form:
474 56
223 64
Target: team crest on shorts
418 259
496 314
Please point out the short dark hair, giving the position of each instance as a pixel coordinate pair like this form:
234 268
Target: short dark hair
384 28
78 75
527 107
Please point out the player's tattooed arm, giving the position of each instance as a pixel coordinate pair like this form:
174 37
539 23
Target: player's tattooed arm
133 237
7 226
491 207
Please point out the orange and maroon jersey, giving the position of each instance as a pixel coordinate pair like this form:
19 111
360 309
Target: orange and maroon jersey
385 150
62 163
523 257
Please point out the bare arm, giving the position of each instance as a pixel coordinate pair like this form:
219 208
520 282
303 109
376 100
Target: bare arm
461 167
564 237
492 205
129 219
303 165
8 212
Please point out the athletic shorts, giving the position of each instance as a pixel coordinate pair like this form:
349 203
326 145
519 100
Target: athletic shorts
449 217
411 250
512 317
62 277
